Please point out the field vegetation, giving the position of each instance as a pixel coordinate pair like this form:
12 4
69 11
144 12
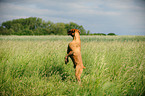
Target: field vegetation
34 65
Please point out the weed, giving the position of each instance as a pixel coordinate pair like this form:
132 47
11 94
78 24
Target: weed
34 65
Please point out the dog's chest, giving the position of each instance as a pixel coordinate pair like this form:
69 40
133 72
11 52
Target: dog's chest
74 45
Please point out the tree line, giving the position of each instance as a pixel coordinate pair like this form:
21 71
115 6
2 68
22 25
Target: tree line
37 26
102 34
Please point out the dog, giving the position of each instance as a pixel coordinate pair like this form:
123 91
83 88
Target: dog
74 52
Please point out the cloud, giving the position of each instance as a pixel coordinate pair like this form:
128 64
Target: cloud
95 15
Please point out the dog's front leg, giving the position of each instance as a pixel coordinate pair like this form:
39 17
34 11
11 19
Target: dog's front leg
66 57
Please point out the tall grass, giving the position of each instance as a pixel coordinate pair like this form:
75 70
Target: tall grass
34 65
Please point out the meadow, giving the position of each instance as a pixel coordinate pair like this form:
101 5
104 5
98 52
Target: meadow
34 65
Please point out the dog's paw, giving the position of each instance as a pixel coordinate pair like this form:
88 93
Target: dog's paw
66 60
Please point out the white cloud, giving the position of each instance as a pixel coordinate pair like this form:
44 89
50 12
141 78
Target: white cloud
107 15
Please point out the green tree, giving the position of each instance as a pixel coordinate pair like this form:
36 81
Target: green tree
36 26
11 31
4 31
60 29
88 32
7 24
111 34
83 31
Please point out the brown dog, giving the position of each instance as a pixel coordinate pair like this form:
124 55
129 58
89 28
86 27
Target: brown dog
74 52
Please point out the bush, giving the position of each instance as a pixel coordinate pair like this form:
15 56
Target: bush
111 34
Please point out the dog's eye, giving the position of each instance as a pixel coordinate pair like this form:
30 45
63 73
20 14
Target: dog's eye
73 31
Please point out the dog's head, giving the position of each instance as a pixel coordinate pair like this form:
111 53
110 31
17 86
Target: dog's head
73 31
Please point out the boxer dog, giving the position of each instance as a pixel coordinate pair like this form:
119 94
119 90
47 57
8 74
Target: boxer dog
74 52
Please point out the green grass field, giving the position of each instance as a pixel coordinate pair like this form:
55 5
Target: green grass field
34 65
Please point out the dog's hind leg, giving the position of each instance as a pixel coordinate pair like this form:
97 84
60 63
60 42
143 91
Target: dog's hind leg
78 73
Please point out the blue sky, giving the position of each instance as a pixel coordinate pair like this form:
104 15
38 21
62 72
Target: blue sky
123 17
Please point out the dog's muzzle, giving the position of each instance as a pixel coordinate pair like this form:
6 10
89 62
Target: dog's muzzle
69 32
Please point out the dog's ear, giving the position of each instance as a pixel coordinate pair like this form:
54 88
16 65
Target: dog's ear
73 31
79 32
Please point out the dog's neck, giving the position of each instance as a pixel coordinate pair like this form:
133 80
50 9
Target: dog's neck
76 37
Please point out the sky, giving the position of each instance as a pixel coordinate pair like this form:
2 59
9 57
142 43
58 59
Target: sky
122 17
